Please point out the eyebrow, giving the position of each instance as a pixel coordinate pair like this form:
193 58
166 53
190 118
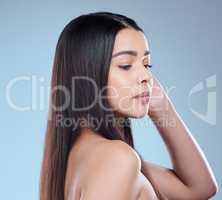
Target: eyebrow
130 52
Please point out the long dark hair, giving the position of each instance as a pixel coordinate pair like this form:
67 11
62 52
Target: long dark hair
84 49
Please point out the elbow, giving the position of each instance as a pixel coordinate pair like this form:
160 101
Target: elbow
212 190
204 191
207 191
210 187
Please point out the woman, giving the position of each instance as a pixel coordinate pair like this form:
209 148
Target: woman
101 78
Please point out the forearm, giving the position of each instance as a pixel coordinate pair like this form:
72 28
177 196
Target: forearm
189 162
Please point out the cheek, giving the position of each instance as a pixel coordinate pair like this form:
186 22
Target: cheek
121 101
119 90
119 85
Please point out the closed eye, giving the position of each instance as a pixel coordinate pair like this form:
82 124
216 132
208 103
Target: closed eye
126 67
148 66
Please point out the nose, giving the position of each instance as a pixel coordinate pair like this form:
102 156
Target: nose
144 76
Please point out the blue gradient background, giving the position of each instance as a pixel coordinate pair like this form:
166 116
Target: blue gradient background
185 43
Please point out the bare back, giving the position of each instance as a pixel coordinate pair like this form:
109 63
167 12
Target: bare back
89 150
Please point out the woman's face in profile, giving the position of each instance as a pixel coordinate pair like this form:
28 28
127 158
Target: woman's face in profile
130 74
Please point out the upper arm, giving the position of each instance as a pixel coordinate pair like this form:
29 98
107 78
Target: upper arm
115 176
169 183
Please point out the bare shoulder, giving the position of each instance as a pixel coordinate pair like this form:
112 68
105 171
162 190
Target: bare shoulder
107 169
114 172
114 153
121 151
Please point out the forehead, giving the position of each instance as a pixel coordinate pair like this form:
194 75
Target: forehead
130 39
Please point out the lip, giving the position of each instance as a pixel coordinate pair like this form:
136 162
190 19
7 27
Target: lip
143 94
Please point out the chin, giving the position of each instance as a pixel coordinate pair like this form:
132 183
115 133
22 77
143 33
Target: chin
136 112
140 113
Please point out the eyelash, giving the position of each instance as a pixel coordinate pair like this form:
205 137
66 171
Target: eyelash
128 66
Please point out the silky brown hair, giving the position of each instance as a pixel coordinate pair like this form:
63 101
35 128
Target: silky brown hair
84 48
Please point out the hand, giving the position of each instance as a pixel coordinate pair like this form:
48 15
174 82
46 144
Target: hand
159 101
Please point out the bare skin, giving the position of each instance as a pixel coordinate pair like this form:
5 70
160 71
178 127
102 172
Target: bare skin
93 168
104 169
